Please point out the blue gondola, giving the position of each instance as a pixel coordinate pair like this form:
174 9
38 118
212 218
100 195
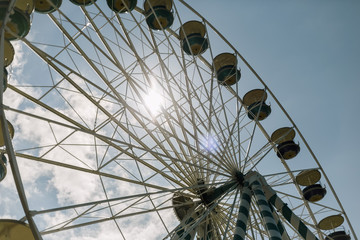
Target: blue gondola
121 6
5 79
182 204
225 65
45 7
19 22
286 147
158 14
314 193
83 2
192 36
338 235
3 164
255 103
288 150
259 111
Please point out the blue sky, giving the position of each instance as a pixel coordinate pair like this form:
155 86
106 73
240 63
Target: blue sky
308 54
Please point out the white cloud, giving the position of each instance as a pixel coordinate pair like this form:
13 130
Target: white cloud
49 186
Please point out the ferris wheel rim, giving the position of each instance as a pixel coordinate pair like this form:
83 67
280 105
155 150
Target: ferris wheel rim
258 123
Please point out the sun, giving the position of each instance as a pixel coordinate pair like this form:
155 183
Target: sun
153 101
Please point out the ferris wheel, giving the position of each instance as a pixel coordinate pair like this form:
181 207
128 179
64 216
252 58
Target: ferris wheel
125 119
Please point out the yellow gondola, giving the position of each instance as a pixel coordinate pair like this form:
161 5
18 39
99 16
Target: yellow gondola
158 14
83 2
314 193
286 147
47 6
26 6
18 25
11 132
15 230
3 162
121 6
192 36
255 103
5 79
225 65
9 53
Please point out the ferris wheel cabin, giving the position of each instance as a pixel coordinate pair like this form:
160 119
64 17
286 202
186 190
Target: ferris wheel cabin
5 79
225 65
255 102
121 6
18 25
3 163
313 191
15 230
83 2
9 53
338 235
45 7
192 36
158 14
286 147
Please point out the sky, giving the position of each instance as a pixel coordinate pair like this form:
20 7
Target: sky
307 53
